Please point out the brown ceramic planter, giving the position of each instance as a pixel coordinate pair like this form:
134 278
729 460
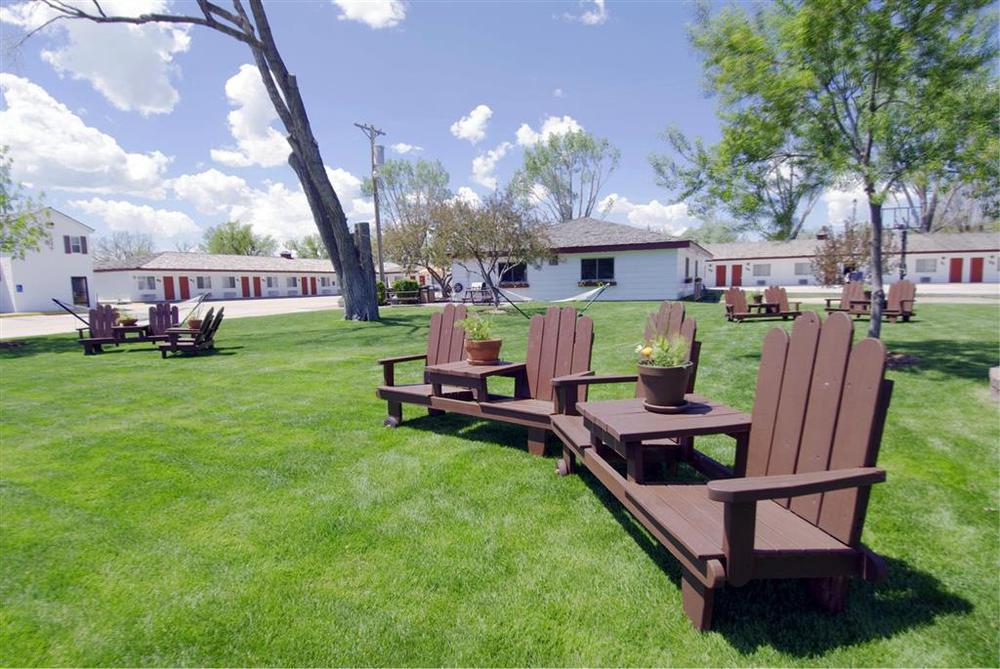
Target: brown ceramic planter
483 351
664 386
194 323
128 321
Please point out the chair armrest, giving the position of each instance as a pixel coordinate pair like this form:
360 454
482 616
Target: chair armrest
831 299
796 304
573 380
402 358
754 488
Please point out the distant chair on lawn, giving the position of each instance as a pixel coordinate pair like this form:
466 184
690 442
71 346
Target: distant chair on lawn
100 322
187 340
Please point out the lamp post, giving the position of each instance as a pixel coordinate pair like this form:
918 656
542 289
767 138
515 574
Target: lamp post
377 158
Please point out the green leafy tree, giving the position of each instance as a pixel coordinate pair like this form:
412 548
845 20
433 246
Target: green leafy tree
769 192
501 232
570 169
714 231
122 245
870 94
410 193
310 246
23 221
235 238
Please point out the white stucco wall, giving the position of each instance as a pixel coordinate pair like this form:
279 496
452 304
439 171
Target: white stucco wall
46 273
123 285
639 275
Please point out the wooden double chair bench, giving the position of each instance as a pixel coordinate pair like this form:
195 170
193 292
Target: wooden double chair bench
791 507
774 304
103 328
898 304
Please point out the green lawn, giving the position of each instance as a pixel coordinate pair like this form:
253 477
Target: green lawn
248 508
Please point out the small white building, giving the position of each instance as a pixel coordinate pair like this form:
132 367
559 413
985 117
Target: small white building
62 268
637 264
172 276
969 257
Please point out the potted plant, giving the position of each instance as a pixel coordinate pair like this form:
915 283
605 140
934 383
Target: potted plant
194 319
127 319
663 373
757 297
480 346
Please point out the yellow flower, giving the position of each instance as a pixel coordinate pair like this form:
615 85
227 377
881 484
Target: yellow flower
646 352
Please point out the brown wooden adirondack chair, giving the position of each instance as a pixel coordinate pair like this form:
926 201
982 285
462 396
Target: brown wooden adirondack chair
101 320
185 340
737 309
850 301
899 302
800 508
559 345
778 295
668 321
445 343
161 317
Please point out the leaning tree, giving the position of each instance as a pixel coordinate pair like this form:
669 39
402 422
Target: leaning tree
253 29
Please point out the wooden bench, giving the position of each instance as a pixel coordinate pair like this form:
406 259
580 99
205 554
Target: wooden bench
851 299
898 303
445 343
777 295
738 310
559 345
100 322
193 341
669 321
799 510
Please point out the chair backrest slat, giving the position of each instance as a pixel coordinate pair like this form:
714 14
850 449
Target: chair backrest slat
564 352
737 300
820 405
215 324
583 348
446 342
547 359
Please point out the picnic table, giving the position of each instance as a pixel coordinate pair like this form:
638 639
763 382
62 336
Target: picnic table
466 375
121 332
623 426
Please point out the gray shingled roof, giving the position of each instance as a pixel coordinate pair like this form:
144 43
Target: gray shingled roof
594 232
210 262
802 248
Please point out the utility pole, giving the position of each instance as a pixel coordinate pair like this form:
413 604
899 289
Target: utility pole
372 132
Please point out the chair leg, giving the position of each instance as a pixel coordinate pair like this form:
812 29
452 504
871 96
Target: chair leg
830 593
395 414
565 464
698 601
536 441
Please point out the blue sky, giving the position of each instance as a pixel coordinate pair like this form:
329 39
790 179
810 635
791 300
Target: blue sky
158 129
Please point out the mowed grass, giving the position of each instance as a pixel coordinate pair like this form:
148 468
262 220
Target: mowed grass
248 508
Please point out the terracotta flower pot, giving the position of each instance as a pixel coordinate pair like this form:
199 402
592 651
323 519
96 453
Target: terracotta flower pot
128 321
195 323
483 351
757 299
664 386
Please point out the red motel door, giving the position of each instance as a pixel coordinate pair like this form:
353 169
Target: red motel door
168 288
245 285
955 270
256 286
737 275
720 275
975 270
185 288
312 285
305 285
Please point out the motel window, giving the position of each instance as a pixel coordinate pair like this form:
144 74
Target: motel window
292 281
803 268
229 282
324 281
272 282
203 282
762 269
513 272
597 269
147 282
926 265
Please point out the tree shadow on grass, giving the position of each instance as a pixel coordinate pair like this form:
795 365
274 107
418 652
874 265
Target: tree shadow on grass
479 430
963 359
41 345
781 614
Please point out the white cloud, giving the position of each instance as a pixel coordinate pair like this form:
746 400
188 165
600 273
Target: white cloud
130 65
553 125
257 142
403 148
374 13
121 215
473 126
654 215
558 93
840 205
52 148
274 209
594 16
211 191
468 195
484 164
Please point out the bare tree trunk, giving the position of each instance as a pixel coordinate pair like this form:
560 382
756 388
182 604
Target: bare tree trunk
878 291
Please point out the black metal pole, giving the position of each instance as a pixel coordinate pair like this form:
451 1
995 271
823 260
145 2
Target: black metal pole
902 255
